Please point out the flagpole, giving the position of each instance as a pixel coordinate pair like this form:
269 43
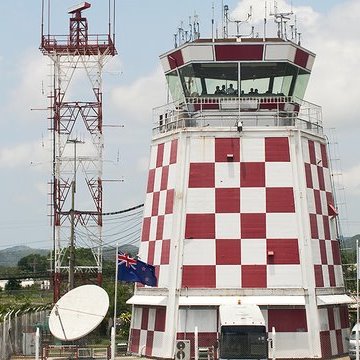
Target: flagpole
115 300
357 299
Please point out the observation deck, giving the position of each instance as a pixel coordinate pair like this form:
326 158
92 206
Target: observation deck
98 44
226 112
219 82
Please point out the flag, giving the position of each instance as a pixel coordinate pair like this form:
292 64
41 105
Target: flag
134 270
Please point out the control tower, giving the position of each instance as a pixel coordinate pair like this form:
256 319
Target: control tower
239 207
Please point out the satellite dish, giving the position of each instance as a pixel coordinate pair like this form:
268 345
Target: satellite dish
78 312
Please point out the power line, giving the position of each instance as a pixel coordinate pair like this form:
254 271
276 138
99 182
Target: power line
123 211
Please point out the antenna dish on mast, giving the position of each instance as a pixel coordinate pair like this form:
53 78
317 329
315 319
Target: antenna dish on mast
78 312
78 8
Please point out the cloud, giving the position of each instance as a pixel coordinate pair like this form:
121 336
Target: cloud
337 65
351 179
25 154
142 164
136 100
32 89
306 14
333 37
42 188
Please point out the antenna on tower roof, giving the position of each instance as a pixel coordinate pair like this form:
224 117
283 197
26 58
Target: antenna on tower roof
228 20
190 28
175 41
281 19
265 21
212 22
196 27
183 36
114 22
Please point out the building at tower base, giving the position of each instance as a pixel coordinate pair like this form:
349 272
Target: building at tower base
239 209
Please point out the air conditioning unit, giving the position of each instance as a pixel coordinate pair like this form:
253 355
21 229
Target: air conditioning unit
182 350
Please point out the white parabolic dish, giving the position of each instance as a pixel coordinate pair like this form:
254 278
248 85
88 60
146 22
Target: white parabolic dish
78 312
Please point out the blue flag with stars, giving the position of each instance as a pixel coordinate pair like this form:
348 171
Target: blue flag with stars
134 270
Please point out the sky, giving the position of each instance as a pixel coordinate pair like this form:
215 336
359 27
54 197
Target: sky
133 84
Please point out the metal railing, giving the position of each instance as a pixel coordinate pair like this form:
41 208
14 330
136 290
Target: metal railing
91 44
216 111
75 352
65 40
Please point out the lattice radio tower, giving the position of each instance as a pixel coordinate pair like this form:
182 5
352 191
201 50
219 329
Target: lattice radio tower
77 162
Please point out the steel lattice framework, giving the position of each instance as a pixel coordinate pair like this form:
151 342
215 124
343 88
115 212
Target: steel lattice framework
70 55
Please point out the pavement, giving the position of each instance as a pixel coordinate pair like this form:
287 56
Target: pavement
122 357
126 357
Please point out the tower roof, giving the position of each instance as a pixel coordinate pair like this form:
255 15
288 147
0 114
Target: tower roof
239 50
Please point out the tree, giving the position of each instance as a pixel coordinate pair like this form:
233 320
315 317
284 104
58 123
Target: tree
349 262
33 263
13 284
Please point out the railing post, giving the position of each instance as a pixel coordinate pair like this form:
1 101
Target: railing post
196 343
37 343
5 336
113 343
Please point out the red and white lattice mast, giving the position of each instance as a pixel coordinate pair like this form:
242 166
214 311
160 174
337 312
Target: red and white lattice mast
77 163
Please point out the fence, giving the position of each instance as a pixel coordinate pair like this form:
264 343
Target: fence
17 337
17 331
75 352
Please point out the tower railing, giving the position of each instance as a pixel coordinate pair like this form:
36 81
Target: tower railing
62 44
226 111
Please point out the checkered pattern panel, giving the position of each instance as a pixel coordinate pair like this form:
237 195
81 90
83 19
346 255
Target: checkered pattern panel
325 247
334 329
240 229
148 330
292 336
158 210
287 320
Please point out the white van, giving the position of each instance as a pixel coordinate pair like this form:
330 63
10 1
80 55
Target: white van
352 341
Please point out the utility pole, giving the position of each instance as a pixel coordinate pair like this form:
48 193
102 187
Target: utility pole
72 220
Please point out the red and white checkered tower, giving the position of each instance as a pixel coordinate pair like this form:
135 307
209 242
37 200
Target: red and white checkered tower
239 206
77 58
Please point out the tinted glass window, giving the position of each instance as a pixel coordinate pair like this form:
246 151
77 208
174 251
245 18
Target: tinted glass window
240 342
272 79
203 79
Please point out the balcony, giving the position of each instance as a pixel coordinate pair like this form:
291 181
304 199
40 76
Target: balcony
226 112
91 45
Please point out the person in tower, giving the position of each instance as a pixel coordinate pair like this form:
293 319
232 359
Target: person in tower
223 89
230 90
217 90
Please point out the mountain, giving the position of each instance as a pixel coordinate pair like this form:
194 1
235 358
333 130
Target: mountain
350 242
109 253
11 256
